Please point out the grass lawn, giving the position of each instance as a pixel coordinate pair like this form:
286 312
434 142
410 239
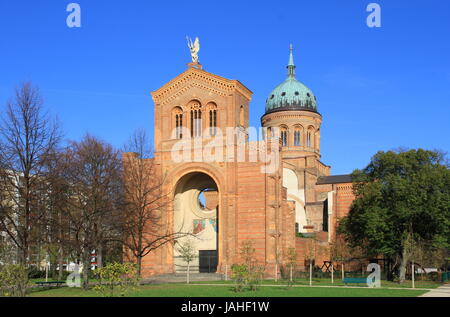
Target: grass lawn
182 290
338 282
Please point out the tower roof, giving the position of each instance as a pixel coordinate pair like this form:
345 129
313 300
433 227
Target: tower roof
291 94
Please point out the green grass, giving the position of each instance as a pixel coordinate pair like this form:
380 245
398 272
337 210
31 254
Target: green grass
182 290
338 282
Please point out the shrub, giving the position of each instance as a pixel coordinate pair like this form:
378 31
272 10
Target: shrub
249 273
13 280
239 273
116 279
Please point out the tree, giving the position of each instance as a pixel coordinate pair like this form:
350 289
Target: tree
14 280
92 169
253 271
291 260
145 201
401 196
310 255
27 135
340 252
188 253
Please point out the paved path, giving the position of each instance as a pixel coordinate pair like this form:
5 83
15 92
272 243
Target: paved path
181 278
441 291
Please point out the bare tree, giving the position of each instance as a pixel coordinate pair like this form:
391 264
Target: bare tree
145 201
27 135
93 172
188 253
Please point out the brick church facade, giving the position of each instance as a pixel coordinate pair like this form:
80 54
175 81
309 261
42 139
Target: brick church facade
227 188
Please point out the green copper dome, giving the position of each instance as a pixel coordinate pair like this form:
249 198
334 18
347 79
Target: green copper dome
291 94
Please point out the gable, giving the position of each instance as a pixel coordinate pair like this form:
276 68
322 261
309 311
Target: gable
200 79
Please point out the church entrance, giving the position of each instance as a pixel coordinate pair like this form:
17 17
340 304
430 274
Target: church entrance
196 207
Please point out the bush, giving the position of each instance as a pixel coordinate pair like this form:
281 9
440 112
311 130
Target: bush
239 273
116 279
249 273
13 280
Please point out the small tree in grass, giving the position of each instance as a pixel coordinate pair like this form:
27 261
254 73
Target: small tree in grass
249 273
117 279
239 273
13 280
310 256
188 253
291 260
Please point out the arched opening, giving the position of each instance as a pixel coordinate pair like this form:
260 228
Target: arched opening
241 116
196 118
310 137
297 136
177 131
196 208
212 118
284 136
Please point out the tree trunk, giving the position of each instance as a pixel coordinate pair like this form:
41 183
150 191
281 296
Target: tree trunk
100 255
276 272
86 268
343 271
188 273
403 263
310 272
139 265
291 273
332 273
60 264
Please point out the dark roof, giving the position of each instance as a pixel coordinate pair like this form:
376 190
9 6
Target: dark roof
336 179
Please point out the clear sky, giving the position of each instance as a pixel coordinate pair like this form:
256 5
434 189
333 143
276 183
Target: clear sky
377 88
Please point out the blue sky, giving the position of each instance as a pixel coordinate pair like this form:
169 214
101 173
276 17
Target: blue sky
377 88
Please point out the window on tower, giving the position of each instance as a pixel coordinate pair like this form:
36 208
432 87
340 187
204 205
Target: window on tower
297 136
284 137
212 113
178 122
196 119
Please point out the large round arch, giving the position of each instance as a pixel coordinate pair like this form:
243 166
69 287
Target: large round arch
195 211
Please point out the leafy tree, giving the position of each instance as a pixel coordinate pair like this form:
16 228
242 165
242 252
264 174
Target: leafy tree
401 197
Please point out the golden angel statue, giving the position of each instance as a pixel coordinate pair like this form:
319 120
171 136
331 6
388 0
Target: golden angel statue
195 48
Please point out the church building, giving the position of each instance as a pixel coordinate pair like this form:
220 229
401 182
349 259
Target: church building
227 188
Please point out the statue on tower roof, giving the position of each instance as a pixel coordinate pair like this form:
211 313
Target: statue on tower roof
195 48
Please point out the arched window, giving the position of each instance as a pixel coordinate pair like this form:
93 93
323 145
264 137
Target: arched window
310 137
297 136
284 136
196 119
241 116
212 119
178 122
269 133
